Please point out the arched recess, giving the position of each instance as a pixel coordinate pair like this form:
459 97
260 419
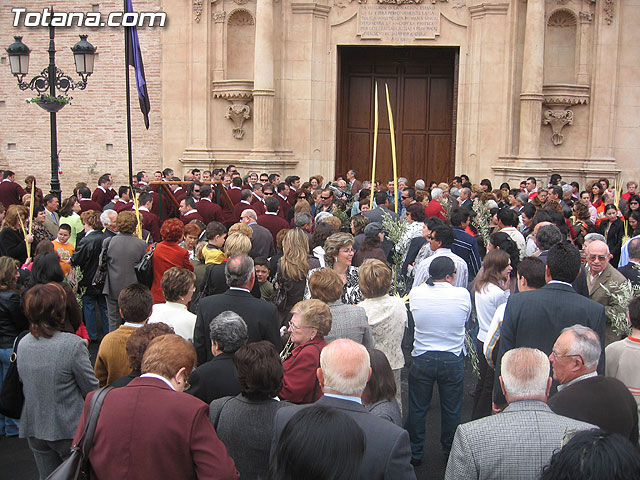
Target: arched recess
241 33
560 48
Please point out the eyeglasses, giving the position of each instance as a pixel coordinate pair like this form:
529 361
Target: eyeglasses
556 356
325 198
404 198
602 258
294 327
267 193
633 203
347 250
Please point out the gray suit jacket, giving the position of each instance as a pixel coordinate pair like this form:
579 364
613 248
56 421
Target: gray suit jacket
598 294
387 453
122 255
261 242
50 225
350 321
56 376
514 444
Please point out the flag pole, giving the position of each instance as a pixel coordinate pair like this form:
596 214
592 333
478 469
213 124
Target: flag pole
127 48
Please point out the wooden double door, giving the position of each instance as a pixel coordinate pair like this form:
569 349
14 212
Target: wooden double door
422 92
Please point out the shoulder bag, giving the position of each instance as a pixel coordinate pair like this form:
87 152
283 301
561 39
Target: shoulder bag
144 268
11 395
77 466
100 277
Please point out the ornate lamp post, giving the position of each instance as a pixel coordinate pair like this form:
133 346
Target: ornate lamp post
49 79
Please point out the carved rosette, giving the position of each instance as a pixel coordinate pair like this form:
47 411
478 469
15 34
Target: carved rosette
197 10
558 119
238 113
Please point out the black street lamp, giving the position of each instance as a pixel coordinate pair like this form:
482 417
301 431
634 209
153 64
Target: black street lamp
49 79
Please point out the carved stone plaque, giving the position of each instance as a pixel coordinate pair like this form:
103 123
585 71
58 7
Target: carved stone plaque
398 23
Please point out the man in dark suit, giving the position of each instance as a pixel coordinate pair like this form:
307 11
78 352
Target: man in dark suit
11 193
465 199
260 316
270 220
382 208
535 319
216 378
283 192
261 240
209 210
583 394
631 270
344 371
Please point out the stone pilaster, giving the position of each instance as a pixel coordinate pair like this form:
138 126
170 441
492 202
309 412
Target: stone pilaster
531 97
263 80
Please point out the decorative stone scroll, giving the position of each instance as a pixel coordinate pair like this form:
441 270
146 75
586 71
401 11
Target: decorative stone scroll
398 23
197 10
558 119
238 113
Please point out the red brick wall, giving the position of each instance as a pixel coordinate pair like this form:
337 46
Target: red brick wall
97 116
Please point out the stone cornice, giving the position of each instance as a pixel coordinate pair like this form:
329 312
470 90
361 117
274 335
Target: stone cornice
500 8
233 90
566 94
310 8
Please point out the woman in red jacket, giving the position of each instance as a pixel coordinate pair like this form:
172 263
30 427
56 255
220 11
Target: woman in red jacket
168 254
310 323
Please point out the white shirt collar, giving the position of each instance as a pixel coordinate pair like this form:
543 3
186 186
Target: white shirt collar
281 196
561 283
238 288
102 188
205 198
159 377
191 211
131 324
244 201
344 397
270 213
6 180
143 209
576 380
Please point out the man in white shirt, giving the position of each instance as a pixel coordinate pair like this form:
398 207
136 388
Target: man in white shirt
442 239
440 311
508 223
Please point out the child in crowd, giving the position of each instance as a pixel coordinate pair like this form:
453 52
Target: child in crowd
262 276
63 247
216 234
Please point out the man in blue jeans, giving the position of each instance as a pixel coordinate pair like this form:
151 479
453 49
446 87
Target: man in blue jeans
440 311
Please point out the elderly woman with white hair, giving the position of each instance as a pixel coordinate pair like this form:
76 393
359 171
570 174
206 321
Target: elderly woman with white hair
216 378
435 208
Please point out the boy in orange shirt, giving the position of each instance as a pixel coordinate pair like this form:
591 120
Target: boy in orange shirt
63 247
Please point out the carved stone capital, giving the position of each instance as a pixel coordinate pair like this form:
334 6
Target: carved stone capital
197 10
238 113
218 17
558 119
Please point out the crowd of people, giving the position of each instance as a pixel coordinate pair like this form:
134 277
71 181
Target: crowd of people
278 316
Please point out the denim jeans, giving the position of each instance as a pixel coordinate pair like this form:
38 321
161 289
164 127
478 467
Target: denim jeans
8 426
447 369
89 310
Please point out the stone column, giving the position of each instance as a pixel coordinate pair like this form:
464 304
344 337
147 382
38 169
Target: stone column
531 97
263 82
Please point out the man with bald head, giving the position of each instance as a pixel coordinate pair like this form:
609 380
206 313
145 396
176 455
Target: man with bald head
599 273
583 394
520 441
344 371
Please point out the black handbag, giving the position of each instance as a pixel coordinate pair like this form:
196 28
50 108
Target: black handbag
77 466
144 268
100 277
11 395
280 297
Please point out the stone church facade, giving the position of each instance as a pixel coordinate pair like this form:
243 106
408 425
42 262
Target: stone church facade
497 89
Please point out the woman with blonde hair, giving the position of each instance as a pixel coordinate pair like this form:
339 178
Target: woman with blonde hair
338 255
215 281
12 242
387 315
310 323
491 289
291 272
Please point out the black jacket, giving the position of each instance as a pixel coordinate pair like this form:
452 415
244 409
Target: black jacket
87 256
12 319
215 379
614 238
